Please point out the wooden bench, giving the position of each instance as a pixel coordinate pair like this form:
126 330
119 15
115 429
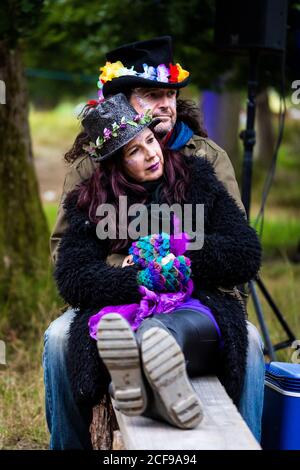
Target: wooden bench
222 427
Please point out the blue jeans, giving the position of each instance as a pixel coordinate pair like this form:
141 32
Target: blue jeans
69 424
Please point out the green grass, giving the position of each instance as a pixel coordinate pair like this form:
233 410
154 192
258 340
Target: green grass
53 132
57 125
281 234
282 279
22 415
50 209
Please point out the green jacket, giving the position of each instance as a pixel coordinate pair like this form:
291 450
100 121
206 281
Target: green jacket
83 167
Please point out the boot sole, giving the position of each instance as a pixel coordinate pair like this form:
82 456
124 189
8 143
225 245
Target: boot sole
164 366
119 351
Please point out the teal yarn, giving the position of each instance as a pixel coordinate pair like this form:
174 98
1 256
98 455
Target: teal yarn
152 277
150 248
148 253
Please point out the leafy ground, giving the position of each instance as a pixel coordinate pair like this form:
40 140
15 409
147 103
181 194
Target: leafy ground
22 416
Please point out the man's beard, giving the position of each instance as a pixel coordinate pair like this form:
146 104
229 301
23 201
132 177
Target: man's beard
162 129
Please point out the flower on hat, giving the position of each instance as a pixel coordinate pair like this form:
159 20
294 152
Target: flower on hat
111 70
92 102
114 128
91 148
99 142
100 96
144 118
107 133
163 73
125 71
149 72
139 119
123 123
182 74
174 72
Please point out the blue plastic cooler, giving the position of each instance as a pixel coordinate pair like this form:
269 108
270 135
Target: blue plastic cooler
281 415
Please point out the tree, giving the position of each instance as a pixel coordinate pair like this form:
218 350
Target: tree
74 37
23 227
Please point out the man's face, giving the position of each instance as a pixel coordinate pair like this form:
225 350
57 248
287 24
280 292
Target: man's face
161 101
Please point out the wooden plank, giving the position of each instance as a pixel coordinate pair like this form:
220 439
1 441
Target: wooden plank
222 427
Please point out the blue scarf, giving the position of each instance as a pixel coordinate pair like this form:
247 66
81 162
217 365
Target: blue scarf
182 133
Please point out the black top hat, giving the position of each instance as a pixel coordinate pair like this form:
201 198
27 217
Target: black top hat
146 63
112 124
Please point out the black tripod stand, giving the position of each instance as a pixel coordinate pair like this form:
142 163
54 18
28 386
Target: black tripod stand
248 138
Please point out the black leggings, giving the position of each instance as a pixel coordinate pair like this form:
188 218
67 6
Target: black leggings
195 333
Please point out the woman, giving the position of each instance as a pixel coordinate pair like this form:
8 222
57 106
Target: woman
133 164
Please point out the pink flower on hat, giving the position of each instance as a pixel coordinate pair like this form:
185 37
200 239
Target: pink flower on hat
107 133
163 73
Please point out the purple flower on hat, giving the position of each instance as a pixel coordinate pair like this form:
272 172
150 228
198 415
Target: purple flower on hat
149 72
91 149
138 117
100 95
123 123
107 133
162 73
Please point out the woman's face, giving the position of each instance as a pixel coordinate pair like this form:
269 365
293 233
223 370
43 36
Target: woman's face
142 157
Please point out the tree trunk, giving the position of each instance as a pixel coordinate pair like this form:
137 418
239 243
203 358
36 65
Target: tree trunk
265 138
221 119
23 226
105 434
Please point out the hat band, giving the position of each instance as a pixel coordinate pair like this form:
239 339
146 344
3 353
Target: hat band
162 73
109 133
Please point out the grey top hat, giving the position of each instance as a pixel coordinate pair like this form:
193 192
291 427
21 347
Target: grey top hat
112 124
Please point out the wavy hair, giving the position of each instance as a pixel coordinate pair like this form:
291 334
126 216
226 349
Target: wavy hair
109 182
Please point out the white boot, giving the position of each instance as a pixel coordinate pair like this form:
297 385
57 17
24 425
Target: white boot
119 351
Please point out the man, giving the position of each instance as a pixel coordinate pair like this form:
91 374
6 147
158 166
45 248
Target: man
160 97
145 72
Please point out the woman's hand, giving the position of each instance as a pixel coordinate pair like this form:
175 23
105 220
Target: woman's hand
128 261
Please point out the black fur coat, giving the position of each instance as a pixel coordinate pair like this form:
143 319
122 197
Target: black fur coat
231 255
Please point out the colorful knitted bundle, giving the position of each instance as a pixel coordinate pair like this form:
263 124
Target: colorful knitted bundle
150 248
162 271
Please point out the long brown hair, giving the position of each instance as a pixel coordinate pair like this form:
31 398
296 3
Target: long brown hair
187 111
109 182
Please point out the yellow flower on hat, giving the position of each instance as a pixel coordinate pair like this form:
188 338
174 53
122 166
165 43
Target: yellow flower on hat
110 71
182 74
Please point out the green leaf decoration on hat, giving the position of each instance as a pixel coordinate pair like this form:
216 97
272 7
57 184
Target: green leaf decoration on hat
140 119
